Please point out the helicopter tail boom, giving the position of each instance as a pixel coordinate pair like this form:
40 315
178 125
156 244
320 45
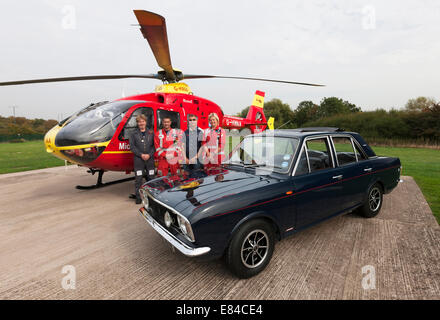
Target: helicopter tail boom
255 119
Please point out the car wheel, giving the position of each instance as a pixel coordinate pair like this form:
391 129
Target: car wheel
373 202
251 249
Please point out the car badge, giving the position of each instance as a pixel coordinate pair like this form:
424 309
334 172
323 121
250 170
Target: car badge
192 184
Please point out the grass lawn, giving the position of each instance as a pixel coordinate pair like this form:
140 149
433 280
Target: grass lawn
424 166
24 156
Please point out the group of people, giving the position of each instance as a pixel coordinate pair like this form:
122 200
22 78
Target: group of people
175 150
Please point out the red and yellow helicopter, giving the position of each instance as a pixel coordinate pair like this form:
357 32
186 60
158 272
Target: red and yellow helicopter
97 136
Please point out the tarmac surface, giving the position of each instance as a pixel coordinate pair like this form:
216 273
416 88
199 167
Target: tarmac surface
47 224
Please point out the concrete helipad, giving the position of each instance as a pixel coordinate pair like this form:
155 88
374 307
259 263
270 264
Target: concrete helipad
46 224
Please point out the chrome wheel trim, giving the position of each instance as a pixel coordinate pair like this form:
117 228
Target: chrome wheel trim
374 199
254 249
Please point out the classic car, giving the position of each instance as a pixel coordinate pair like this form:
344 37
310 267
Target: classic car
272 185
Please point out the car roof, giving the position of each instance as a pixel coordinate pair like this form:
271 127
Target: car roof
304 132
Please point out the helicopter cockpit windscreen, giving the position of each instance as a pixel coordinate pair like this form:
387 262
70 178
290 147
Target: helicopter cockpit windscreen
96 123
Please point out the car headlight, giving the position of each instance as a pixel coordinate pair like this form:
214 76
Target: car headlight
167 219
185 227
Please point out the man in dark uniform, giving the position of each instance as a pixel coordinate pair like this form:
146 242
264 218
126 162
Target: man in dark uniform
142 146
193 140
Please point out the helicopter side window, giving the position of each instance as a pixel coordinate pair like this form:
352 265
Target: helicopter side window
174 116
131 124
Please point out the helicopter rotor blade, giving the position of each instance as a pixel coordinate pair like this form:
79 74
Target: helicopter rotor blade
153 28
99 77
202 76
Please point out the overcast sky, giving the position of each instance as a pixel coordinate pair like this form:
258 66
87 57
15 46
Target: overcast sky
376 54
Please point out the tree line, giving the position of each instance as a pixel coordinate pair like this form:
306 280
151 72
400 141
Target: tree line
12 128
418 120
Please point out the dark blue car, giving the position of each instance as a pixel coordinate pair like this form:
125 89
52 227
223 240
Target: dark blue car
272 185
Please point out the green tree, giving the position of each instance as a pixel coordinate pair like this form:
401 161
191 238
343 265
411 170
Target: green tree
305 112
11 126
49 124
333 106
243 113
420 104
283 114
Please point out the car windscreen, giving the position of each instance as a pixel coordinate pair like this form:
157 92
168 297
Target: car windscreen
269 152
96 123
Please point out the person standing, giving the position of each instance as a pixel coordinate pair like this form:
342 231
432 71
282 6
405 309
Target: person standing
142 145
215 143
168 143
193 140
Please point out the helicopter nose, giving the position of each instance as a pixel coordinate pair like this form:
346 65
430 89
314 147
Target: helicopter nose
49 142
49 139
73 145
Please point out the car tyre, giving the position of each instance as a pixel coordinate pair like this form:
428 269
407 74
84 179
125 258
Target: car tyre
373 202
251 248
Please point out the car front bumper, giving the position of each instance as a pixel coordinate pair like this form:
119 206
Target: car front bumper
178 244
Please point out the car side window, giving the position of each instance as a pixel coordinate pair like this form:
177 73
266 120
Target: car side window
303 164
318 154
360 155
131 124
344 150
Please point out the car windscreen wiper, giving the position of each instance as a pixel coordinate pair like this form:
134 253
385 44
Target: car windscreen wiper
246 165
234 163
252 165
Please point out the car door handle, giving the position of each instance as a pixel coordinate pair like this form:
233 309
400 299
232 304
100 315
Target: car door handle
338 177
368 169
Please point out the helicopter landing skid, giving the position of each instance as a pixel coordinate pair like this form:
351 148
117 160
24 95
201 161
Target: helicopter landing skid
99 183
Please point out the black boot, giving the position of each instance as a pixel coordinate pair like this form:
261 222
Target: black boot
138 201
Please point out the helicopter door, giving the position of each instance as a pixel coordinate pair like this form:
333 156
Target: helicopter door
131 124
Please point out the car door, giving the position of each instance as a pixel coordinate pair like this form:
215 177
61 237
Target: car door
316 181
355 168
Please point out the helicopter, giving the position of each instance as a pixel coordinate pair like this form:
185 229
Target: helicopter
96 137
